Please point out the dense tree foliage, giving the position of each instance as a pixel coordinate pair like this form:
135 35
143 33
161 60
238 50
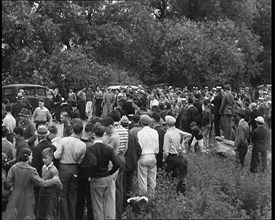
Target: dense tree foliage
181 42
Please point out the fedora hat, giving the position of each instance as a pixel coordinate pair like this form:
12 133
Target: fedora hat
124 121
24 112
260 120
42 130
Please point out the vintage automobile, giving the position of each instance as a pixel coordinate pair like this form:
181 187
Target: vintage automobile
32 92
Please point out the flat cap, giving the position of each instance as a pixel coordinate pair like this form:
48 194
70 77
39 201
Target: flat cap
170 120
145 120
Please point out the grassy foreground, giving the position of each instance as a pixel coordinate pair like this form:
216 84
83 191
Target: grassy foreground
217 189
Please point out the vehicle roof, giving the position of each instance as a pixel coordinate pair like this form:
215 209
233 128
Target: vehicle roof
124 86
23 85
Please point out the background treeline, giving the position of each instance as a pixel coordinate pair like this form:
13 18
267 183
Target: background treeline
179 42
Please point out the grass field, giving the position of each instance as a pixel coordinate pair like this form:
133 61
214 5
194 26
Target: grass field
217 189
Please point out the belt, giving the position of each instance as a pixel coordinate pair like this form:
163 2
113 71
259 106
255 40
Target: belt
173 154
147 154
69 164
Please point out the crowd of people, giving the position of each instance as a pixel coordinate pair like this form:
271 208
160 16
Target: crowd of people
109 138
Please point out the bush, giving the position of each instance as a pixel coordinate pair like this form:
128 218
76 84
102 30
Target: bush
218 188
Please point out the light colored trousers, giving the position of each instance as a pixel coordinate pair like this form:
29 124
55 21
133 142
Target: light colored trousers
102 203
89 109
107 109
147 174
206 135
200 145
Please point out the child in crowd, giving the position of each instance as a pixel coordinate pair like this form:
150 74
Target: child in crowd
197 138
48 196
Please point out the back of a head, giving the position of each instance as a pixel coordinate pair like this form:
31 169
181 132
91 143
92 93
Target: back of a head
107 121
227 87
99 130
77 125
156 117
135 119
94 119
190 100
53 129
115 115
24 154
156 108
18 130
89 127
145 120
197 95
5 131
8 107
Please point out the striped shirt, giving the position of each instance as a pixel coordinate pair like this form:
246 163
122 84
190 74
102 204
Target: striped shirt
123 138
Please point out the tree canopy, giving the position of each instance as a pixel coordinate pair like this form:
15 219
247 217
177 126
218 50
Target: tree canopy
180 42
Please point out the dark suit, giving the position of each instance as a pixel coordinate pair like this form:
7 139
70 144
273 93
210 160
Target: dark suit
259 140
83 187
226 111
192 115
252 123
131 157
217 104
198 105
159 156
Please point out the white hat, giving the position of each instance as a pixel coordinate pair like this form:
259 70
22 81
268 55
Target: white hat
260 119
42 130
170 120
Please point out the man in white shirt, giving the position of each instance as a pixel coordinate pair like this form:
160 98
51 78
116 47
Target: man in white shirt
70 152
174 152
147 163
9 122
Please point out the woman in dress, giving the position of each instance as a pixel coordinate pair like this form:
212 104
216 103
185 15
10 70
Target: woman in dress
21 178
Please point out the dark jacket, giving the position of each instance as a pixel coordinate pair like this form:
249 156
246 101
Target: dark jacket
217 101
37 161
88 161
183 118
133 152
103 154
192 115
159 156
260 137
254 114
198 105
227 104
29 132
206 117
247 113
